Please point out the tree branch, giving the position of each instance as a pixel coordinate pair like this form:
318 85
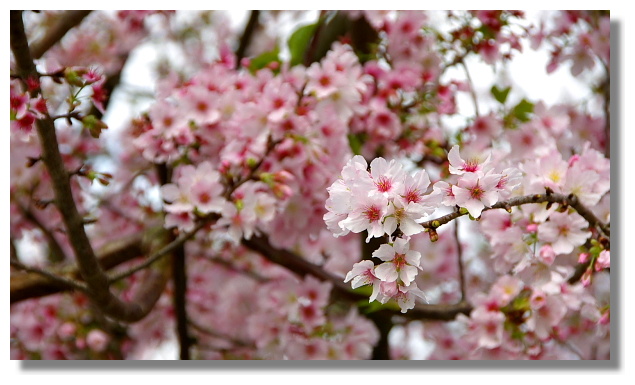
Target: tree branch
568 200
31 285
179 280
245 39
213 333
65 23
302 267
56 279
93 275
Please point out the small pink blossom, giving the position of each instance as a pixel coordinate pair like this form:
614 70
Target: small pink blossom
475 193
474 163
564 232
367 214
399 262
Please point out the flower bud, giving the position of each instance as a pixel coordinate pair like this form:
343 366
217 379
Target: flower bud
547 255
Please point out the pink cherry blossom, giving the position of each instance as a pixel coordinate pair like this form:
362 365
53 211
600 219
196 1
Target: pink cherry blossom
475 163
475 193
564 232
399 262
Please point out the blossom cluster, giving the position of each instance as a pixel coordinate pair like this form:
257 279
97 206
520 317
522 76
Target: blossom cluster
380 200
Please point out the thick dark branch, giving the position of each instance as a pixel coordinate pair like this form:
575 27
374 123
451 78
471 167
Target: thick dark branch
245 39
302 267
91 272
179 280
65 23
606 94
298 265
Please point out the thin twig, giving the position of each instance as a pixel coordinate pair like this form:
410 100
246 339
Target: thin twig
213 333
167 249
53 277
54 245
472 92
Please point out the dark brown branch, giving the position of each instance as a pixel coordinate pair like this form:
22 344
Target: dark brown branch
65 23
302 267
179 280
245 39
179 301
92 274
606 94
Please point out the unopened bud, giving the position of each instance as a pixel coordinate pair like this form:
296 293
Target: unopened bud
605 319
251 163
266 177
435 224
463 211
283 176
583 258
586 278
282 191
433 235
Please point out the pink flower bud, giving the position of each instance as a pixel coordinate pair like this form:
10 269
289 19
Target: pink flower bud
603 261
586 278
282 191
531 228
547 255
283 176
583 258
605 319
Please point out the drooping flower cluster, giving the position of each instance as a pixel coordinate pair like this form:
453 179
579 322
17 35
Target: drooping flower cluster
392 279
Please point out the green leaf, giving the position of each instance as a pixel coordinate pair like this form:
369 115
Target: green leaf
356 142
299 42
94 125
264 59
522 110
500 94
